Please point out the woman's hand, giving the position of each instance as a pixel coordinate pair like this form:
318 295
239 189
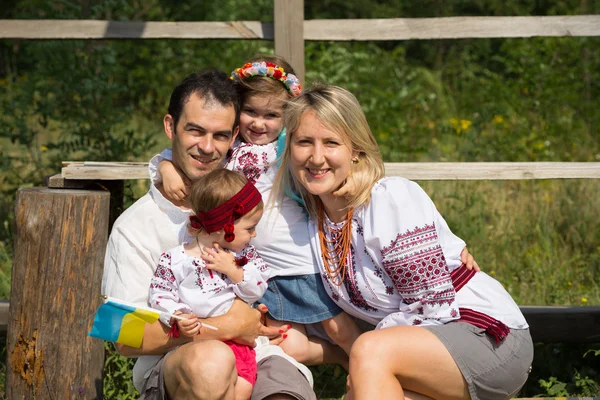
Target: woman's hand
175 183
188 327
467 259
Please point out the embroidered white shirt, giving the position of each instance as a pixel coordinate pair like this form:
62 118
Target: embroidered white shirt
282 237
184 283
400 261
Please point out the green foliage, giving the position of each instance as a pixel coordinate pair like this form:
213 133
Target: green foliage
118 377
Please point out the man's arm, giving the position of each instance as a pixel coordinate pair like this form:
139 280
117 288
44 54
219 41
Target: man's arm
242 323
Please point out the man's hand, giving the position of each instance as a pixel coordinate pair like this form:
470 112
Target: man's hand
467 259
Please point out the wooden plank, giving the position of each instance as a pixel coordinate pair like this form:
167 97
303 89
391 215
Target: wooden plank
415 171
4 307
94 29
60 241
289 33
563 324
549 324
494 170
451 27
321 29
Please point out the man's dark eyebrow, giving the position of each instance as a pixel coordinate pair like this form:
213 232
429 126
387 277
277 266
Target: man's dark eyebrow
192 125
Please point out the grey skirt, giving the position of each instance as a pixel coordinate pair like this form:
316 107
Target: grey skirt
492 371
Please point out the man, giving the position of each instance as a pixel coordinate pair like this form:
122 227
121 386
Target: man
202 124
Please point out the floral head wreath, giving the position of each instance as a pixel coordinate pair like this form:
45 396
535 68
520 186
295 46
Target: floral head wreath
223 216
270 70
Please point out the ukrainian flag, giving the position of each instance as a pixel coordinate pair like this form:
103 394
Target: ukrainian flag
121 322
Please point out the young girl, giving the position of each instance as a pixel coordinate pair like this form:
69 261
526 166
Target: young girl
201 278
295 292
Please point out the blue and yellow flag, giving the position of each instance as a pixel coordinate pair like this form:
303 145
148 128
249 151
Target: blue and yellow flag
121 322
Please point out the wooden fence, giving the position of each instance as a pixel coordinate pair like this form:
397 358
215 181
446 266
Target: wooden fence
55 281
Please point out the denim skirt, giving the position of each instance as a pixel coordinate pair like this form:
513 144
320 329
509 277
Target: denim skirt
301 299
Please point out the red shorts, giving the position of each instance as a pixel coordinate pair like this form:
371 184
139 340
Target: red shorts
245 361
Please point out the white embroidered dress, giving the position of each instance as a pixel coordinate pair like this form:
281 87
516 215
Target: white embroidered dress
400 261
282 237
184 283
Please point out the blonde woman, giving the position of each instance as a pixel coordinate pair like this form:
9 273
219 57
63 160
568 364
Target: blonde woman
387 257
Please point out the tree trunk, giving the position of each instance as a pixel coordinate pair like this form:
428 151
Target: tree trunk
60 239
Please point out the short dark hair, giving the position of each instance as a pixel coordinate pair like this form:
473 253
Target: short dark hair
212 85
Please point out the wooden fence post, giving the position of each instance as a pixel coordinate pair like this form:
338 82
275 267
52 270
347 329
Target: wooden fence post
289 33
60 240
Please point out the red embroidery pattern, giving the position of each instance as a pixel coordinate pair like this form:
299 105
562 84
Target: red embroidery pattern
198 272
163 275
415 263
247 163
354 292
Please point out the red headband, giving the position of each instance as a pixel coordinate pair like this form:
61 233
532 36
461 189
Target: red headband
223 216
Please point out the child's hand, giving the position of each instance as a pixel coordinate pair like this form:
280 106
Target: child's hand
175 183
221 260
347 189
189 327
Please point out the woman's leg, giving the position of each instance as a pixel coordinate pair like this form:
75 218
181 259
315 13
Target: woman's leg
309 350
400 358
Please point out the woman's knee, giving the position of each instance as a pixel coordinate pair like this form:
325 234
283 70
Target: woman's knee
368 347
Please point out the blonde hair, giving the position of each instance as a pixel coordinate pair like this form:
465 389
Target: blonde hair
339 111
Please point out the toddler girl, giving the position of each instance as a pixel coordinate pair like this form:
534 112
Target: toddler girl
201 278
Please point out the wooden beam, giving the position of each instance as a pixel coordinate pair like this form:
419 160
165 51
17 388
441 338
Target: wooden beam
494 170
548 324
4 307
451 28
563 324
320 29
94 29
415 171
60 240
289 33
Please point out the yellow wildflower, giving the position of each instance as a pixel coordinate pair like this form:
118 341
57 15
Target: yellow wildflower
44 148
498 119
465 124
584 300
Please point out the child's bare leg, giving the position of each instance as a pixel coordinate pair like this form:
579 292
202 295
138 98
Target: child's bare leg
343 330
242 389
309 350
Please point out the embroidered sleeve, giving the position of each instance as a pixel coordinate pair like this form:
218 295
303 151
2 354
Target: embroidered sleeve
155 176
164 289
412 255
254 284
